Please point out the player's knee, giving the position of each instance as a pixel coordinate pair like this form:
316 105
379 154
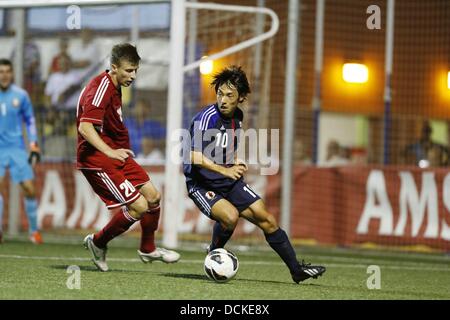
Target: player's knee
154 199
272 222
28 191
30 194
138 207
230 219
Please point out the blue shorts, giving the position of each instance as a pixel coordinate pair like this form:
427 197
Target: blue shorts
17 161
240 195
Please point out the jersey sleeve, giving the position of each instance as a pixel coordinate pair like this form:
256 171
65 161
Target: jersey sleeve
95 102
28 118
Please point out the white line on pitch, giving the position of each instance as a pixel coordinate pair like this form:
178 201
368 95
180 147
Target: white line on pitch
192 261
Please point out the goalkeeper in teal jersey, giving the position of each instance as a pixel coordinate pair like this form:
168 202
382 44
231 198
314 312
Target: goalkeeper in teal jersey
16 109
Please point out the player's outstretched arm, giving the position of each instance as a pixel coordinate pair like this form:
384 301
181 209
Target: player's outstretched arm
87 130
234 172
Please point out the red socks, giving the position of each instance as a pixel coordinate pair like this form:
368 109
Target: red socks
122 221
119 223
149 224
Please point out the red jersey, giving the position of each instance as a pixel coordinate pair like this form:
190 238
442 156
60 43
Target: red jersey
100 103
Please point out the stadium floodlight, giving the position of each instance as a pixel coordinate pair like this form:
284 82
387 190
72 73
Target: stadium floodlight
207 66
355 73
448 80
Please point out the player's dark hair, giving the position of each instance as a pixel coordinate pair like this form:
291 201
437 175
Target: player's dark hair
124 51
232 75
6 62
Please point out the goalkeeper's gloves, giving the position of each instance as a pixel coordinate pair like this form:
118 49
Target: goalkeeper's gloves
35 154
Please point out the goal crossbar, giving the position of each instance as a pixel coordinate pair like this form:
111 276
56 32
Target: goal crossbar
275 23
10 4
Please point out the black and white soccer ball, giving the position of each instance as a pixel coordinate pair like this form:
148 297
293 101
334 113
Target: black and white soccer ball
221 265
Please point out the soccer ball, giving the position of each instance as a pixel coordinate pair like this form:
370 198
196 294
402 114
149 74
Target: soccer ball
221 265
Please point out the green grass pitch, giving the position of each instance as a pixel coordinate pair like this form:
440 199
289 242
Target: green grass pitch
40 272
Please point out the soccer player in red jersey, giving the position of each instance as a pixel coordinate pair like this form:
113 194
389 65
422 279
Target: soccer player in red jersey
105 159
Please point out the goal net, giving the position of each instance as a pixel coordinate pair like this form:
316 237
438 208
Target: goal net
61 56
367 170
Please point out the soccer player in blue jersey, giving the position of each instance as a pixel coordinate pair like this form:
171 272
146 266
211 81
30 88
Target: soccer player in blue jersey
16 108
214 175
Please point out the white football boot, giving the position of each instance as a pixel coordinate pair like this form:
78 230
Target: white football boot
98 254
161 254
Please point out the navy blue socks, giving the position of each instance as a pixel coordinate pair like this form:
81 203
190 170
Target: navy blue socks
220 236
279 242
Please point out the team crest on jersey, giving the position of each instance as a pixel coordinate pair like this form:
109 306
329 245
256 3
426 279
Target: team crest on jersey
15 102
210 195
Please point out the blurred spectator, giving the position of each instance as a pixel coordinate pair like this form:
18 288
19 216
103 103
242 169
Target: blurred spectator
358 155
300 155
142 125
62 54
57 141
150 153
63 87
426 153
86 55
31 68
53 125
336 155
345 153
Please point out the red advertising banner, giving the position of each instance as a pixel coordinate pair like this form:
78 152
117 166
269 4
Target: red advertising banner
405 206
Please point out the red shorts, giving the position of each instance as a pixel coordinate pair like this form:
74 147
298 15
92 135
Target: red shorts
117 182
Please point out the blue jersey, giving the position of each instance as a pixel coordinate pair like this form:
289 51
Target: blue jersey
16 108
216 137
